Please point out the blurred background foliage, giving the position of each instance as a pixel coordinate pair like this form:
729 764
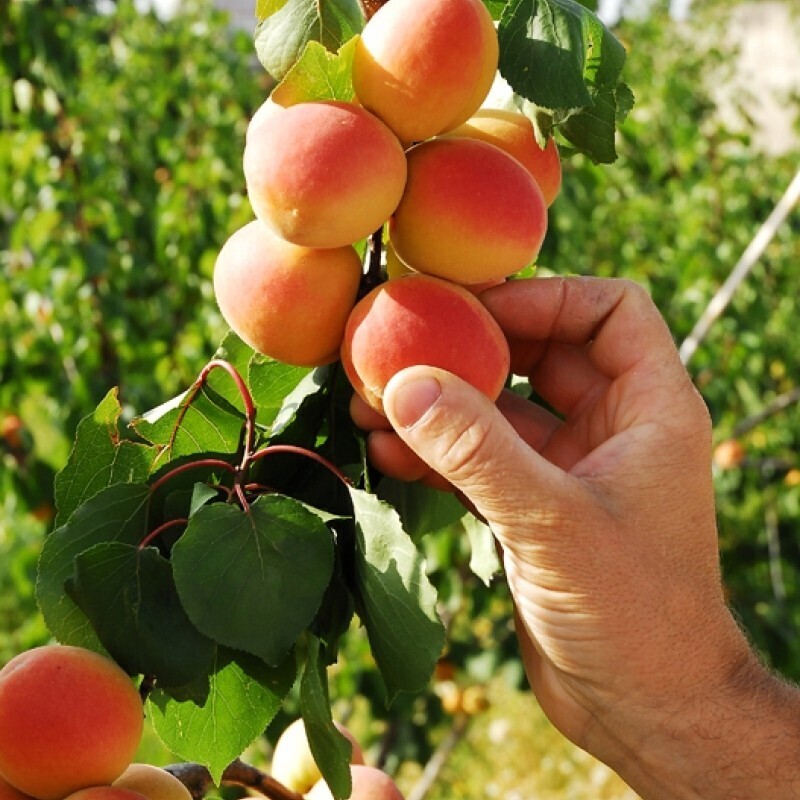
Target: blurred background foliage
120 177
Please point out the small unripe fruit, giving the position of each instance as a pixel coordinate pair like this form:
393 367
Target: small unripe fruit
11 428
470 212
288 302
474 699
323 174
513 132
424 67
293 764
369 783
153 782
69 718
422 320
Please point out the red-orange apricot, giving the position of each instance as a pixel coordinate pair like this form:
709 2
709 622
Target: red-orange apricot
9 792
369 783
323 174
422 320
513 132
69 718
471 213
288 302
424 67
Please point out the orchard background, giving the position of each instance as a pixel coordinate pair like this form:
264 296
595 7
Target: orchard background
120 178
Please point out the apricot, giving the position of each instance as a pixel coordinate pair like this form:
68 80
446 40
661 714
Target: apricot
369 783
422 320
513 132
322 174
9 792
152 782
69 718
293 764
425 67
470 212
289 302
107 793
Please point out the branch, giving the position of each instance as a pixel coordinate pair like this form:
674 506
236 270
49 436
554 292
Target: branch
780 403
747 261
439 759
197 779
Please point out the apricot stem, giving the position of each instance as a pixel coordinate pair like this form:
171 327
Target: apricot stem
372 277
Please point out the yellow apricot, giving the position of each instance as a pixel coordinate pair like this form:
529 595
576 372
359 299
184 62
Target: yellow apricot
288 302
418 319
513 132
369 783
69 718
424 67
293 764
153 782
470 213
322 174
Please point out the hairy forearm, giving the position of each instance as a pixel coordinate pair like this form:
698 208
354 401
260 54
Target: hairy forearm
741 741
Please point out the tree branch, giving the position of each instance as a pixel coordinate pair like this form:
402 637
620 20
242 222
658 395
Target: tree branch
197 779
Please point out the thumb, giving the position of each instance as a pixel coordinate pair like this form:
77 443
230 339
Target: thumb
462 435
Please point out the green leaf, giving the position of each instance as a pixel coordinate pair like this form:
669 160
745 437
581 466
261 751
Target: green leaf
318 75
254 580
397 602
212 720
238 354
330 748
99 458
272 384
495 8
129 595
282 36
561 62
484 561
115 514
422 510
193 422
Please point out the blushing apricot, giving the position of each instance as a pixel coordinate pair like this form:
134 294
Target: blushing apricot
422 320
369 783
152 782
288 302
424 67
323 174
106 793
9 792
470 213
69 718
293 764
513 132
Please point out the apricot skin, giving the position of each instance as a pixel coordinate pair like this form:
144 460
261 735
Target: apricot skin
422 320
293 764
471 213
369 783
425 67
107 793
9 792
152 782
513 132
69 718
288 302
322 174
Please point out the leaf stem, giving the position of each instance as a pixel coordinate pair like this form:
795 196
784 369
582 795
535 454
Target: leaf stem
202 462
275 449
156 532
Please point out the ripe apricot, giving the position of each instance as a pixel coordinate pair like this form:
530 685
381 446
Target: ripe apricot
9 792
323 174
425 67
69 718
107 793
422 320
470 213
369 783
293 764
513 132
153 782
289 302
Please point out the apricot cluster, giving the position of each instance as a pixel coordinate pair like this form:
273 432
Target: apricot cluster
70 724
458 195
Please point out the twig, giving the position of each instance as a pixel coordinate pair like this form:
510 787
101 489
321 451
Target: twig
197 779
780 403
748 260
440 757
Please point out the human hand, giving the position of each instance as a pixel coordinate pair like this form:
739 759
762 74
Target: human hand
604 510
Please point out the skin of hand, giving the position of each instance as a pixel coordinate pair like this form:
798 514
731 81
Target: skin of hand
604 510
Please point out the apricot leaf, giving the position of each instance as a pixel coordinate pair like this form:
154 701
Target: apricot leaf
129 595
273 385
330 748
117 513
422 510
395 599
282 36
214 718
99 458
254 579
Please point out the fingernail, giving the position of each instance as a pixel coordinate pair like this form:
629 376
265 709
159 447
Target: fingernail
413 398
